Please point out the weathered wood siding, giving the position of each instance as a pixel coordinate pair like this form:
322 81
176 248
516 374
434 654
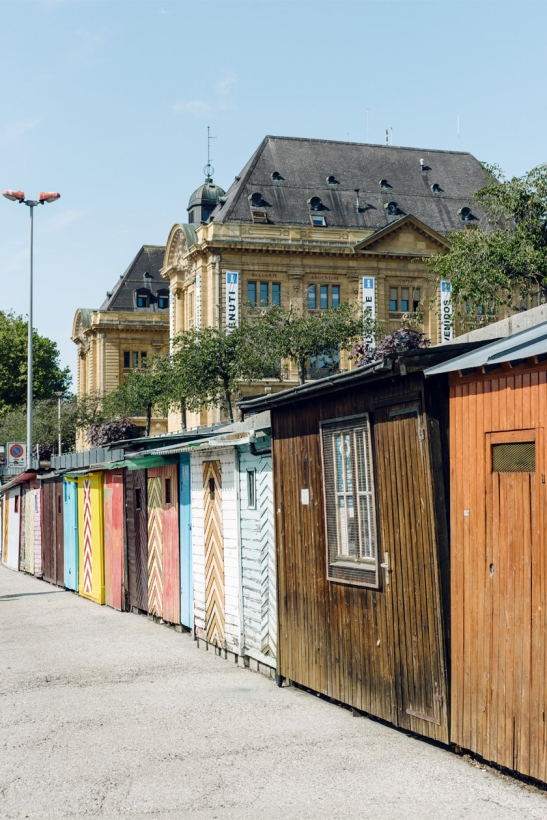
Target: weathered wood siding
258 556
70 523
114 539
163 544
499 570
91 537
226 553
136 523
37 496
59 533
379 650
49 520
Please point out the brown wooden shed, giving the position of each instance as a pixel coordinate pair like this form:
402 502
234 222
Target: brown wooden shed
498 414
361 483
52 530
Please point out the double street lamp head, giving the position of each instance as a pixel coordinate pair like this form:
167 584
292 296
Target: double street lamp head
19 196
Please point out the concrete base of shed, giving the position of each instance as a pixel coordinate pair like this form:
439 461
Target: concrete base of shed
243 661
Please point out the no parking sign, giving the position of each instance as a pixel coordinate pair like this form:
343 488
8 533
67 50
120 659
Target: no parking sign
17 454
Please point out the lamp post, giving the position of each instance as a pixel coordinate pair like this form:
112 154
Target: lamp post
19 196
59 395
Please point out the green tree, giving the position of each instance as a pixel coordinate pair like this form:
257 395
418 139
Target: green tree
48 376
13 425
504 263
289 334
208 364
138 394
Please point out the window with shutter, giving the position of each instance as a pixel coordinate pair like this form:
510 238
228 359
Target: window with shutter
348 475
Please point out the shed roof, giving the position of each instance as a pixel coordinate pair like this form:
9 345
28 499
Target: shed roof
519 346
148 260
304 166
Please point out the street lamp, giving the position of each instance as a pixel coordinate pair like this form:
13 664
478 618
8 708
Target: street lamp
19 196
59 395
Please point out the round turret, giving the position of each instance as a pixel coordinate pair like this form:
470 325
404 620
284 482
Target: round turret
203 201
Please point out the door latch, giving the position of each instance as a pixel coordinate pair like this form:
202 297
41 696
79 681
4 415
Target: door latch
385 566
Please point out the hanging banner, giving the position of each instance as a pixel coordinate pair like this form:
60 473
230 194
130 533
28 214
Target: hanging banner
369 304
198 301
17 454
232 299
447 329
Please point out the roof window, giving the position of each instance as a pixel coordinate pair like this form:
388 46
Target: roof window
465 214
259 216
276 176
392 208
331 180
255 199
384 184
436 188
314 203
318 221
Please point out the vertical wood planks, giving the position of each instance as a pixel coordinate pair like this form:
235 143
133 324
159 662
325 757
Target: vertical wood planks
91 537
114 539
185 524
155 543
136 522
70 524
214 553
171 547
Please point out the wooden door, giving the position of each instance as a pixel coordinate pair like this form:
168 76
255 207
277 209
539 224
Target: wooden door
169 477
59 533
70 525
514 581
91 537
409 547
136 523
185 502
48 531
113 539
214 552
155 545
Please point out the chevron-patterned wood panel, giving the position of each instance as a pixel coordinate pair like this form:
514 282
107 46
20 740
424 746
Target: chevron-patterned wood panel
155 546
214 552
88 552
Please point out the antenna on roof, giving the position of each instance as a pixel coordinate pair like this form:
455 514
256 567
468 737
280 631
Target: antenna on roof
209 170
387 136
458 129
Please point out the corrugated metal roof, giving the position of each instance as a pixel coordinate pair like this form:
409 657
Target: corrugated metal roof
529 342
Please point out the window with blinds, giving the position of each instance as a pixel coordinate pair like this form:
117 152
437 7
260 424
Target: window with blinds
349 499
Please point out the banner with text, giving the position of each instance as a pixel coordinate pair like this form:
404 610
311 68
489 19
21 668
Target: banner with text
447 330
198 301
369 304
232 299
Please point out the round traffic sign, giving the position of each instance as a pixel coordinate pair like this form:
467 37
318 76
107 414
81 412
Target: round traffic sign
16 451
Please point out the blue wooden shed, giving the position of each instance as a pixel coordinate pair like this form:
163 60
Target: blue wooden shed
70 522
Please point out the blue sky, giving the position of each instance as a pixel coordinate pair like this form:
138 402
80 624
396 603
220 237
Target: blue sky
108 102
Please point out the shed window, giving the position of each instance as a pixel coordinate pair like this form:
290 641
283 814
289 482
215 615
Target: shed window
16 504
167 490
251 489
515 457
138 499
350 503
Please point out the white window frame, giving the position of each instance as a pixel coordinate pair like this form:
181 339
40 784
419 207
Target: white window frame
361 567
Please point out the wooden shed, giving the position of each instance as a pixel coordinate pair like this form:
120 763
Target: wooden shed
52 530
114 540
360 483
91 537
11 508
163 542
70 522
136 527
30 537
498 511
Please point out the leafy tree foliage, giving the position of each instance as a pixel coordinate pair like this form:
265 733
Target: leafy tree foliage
13 425
48 376
141 389
101 433
289 334
505 263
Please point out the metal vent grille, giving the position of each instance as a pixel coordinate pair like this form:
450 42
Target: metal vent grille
350 504
518 457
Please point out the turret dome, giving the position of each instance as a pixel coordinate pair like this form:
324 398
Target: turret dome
203 201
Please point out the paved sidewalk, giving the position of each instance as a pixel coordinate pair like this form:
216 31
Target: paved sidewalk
106 714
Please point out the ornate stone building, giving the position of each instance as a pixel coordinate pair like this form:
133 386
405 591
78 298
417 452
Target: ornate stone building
131 325
314 223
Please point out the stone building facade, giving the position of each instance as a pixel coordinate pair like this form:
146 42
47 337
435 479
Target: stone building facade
313 223
131 326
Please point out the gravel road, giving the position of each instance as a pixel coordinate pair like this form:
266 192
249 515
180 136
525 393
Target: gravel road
107 714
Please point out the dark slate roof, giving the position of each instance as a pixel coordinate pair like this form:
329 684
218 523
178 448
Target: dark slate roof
305 164
149 260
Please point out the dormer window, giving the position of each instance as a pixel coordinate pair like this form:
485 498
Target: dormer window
465 214
314 203
384 184
142 300
163 300
392 208
331 180
259 216
318 221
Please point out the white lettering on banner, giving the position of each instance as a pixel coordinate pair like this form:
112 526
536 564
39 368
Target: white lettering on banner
369 304
447 329
232 299
198 301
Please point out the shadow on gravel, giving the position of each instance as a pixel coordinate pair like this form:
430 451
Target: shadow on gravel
31 594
